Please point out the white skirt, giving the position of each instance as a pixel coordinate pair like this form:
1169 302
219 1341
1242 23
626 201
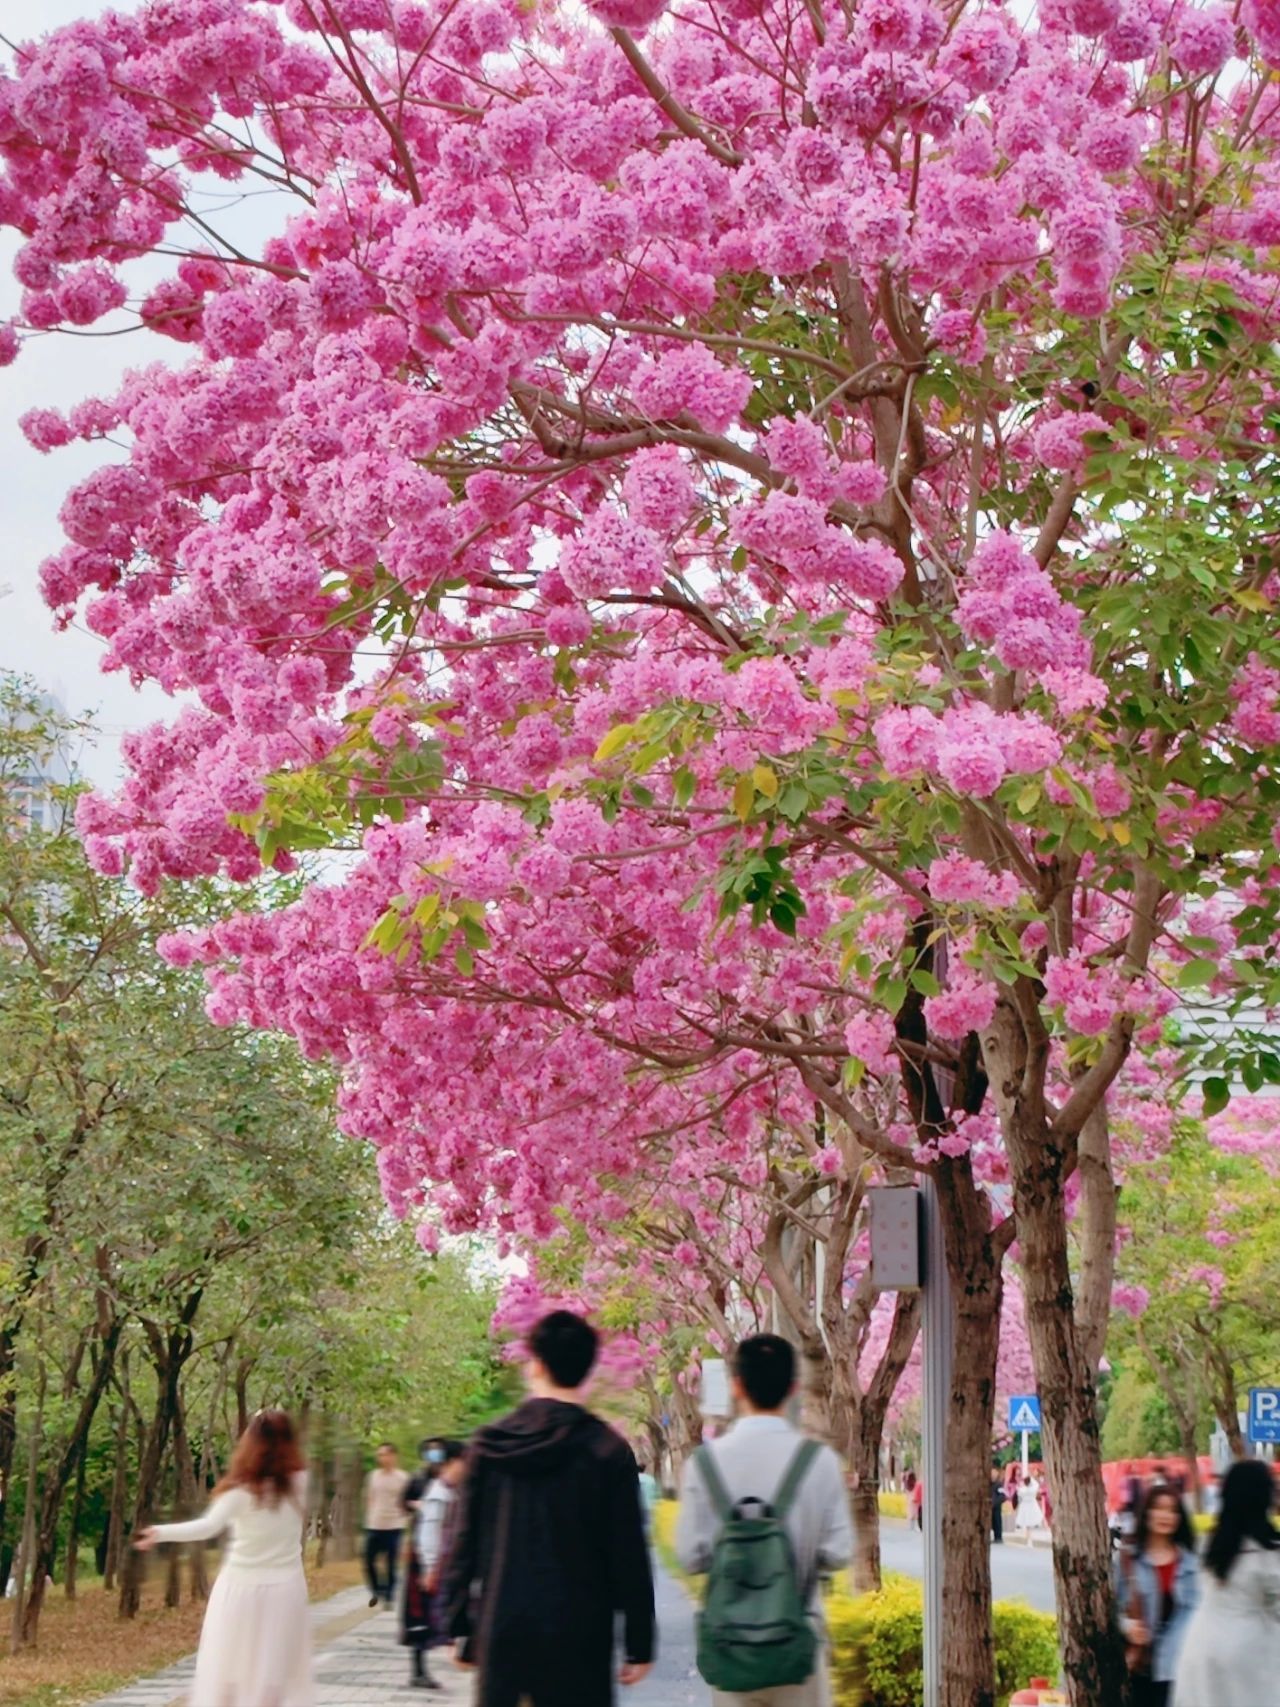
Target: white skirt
1029 1515
255 1647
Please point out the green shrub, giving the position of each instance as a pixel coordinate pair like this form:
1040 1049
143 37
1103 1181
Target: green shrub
1026 1645
877 1645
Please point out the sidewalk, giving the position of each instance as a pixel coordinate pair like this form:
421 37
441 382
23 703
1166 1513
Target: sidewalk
359 1663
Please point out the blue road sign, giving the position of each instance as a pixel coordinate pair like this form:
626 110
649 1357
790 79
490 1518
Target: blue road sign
1024 1414
1264 1415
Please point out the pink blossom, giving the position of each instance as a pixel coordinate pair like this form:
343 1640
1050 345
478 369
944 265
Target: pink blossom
955 879
966 1004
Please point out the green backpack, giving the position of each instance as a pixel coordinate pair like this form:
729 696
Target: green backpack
754 1630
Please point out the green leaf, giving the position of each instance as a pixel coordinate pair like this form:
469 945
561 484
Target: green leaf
615 741
1196 973
1217 1094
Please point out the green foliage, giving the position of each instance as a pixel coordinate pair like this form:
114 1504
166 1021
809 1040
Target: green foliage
161 1177
1139 1422
878 1646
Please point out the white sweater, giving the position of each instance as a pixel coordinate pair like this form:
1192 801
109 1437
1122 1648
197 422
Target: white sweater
266 1537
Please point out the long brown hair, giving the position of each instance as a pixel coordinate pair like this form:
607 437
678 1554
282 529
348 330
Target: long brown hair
267 1456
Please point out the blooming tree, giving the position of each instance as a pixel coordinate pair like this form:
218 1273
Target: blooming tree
1198 1264
757 522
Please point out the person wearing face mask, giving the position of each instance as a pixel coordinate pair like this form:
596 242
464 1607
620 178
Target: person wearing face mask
431 1455
1157 1588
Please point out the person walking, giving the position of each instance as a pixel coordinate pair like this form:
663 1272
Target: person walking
424 1551
649 1496
915 1501
1028 1516
1231 1656
430 1458
765 1465
1157 1587
255 1644
997 1505
384 1519
550 1543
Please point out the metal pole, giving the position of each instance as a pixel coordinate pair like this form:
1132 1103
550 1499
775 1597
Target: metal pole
937 1337
1026 1454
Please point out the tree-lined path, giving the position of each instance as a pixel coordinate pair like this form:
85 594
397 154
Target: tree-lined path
360 1663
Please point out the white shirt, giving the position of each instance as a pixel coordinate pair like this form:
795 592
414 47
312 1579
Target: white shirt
384 1499
266 1536
430 1527
752 1459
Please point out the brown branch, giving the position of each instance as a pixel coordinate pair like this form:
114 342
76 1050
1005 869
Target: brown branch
679 115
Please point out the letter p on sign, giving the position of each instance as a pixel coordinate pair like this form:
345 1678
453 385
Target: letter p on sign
1264 1415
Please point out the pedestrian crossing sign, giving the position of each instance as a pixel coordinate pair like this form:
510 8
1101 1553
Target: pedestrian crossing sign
1024 1414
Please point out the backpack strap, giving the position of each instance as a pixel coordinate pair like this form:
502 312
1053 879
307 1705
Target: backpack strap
713 1482
798 1469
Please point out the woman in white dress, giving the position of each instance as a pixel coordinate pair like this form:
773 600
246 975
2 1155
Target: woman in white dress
1029 1516
255 1647
1231 1657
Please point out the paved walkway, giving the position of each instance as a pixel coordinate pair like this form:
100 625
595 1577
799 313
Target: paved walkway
359 1662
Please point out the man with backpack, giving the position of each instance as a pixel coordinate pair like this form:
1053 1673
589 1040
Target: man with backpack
764 1512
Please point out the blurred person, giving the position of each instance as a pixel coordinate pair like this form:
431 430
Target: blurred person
384 1520
255 1645
1157 1587
430 1458
550 1545
998 1497
1028 1517
915 1503
424 1553
1231 1655
650 1494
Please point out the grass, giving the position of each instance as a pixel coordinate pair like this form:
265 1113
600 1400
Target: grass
85 1651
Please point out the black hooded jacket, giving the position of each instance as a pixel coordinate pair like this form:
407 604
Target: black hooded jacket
550 1547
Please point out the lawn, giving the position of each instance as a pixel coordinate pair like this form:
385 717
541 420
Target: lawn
85 1651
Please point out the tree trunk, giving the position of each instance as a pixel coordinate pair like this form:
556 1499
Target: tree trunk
1096 1225
188 1499
1226 1401
865 1439
1092 1650
71 1569
119 1485
55 1485
27 1547
150 1467
974 1263
170 1352
243 1371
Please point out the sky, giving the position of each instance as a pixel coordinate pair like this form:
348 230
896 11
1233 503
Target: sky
57 371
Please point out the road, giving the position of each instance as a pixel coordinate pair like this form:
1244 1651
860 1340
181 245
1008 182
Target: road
1017 1572
674 1681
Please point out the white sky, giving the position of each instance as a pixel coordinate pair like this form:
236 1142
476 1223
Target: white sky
57 371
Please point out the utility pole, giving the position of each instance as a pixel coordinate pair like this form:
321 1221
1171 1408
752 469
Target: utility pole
937 1337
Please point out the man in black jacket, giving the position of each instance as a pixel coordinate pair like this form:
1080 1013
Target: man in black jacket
551 1543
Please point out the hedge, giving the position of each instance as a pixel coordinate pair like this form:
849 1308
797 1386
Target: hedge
877 1641
877 1645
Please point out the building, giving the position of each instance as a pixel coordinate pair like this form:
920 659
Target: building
35 791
